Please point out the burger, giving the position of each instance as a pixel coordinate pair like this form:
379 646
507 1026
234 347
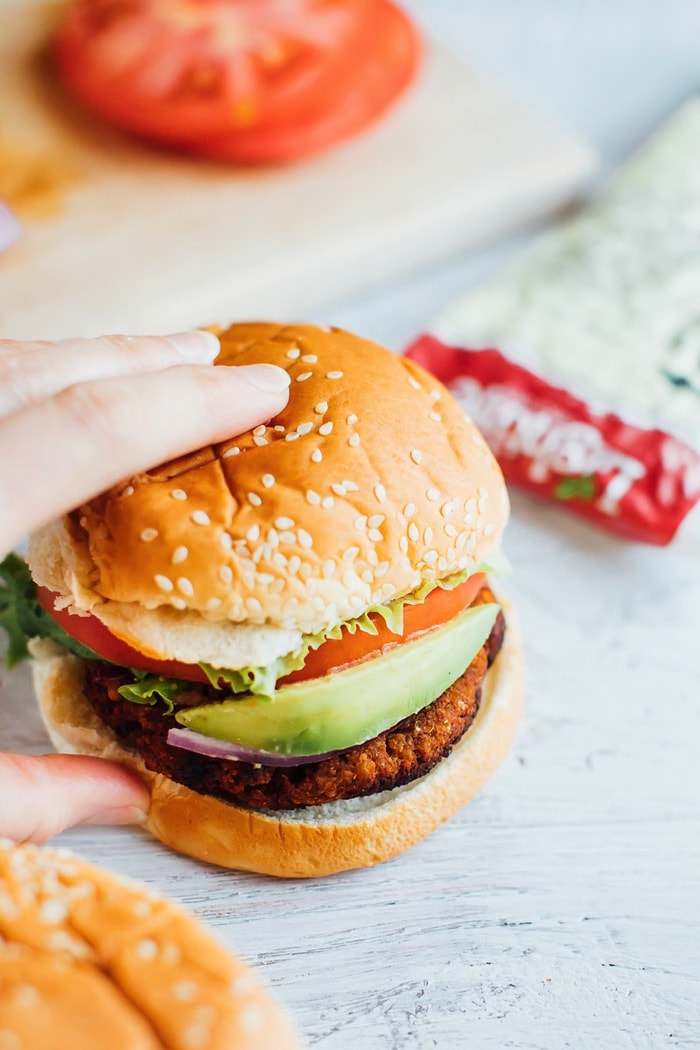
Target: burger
292 635
88 959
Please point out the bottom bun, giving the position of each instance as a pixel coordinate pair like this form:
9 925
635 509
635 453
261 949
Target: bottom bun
88 959
302 843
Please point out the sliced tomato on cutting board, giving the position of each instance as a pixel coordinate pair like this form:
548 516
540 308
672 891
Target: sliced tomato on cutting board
438 608
196 74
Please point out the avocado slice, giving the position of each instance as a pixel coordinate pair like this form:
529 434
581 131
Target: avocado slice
349 707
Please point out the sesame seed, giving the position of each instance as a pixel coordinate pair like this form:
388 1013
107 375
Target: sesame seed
278 428
470 506
284 523
380 492
253 533
185 991
442 564
226 541
310 359
213 603
447 508
253 605
179 555
317 455
179 494
489 529
350 554
433 494
226 574
352 419
146 948
325 428
52 911
414 383
303 376
372 557
376 520
435 394
375 535
354 440
436 417
381 569
334 375
287 537
26 996
268 480
327 502
409 510
367 576
427 534
179 603
273 538
233 451
450 530
360 522
350 486
328 569
185 586
294 353
338 488
321 407
403 544
252 1019
266 578
292 436
254 499
200 517
312 497
461 540
259 430
294 565
416 455
149 534
430 557
305 428
164 583
128 491
413 532
260 441
305 539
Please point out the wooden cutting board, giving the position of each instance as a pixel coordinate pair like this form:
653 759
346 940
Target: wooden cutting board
119 237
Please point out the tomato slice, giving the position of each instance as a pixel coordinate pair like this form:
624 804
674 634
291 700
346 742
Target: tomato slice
90 631
334 655
388 65
181 70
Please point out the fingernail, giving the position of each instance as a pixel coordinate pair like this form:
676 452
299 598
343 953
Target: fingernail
119 815
195 346
269 378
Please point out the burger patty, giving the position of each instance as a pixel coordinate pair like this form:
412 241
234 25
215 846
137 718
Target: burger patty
401 754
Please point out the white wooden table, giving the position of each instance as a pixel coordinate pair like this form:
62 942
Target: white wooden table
560 909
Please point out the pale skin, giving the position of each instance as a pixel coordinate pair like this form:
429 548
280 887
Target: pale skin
76 417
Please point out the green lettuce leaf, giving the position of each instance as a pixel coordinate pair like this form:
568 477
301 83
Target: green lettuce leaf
22 617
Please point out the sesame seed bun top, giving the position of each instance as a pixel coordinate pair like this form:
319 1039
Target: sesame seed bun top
369 483
88 959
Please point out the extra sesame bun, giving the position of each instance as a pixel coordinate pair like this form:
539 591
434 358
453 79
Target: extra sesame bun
370 482
88 960
311 842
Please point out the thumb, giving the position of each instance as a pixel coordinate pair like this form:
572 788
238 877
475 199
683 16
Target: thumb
41 796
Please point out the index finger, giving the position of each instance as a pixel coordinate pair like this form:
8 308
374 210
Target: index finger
61 452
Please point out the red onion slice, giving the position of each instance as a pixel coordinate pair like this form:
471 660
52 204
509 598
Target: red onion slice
10 229
212 748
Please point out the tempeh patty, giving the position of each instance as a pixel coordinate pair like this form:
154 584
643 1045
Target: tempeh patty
395 757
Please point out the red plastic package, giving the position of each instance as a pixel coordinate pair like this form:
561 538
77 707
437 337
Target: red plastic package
639 483
581 363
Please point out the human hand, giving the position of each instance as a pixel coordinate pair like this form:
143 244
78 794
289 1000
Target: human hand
75 418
